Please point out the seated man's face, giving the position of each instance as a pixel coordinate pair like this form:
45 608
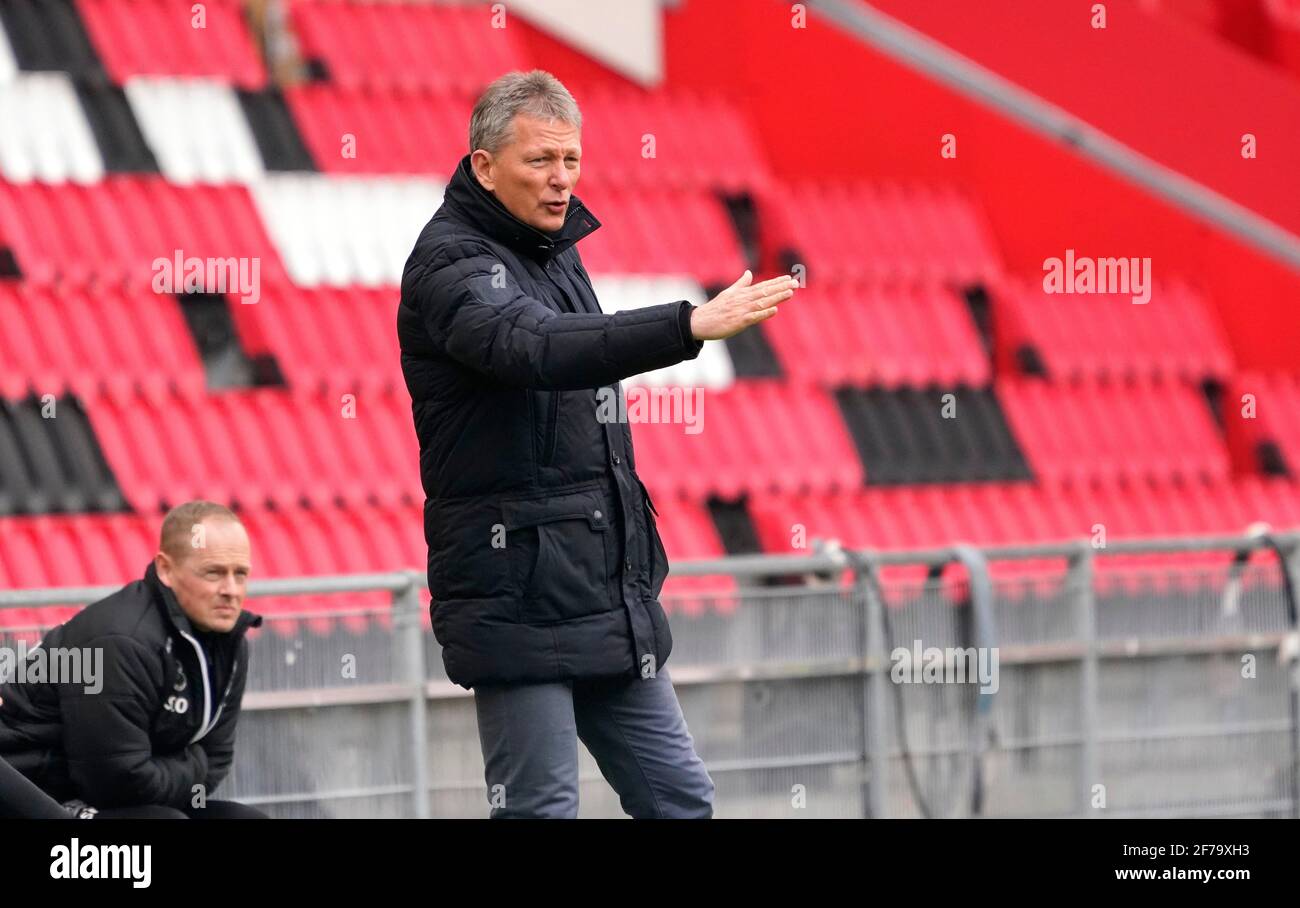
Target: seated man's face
209 579
534 174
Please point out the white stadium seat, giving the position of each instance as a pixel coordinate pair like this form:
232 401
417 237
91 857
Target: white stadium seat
342 230
8 65
196 128
44 134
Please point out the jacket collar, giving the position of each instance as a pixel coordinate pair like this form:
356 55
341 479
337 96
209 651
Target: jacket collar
172 609
485 211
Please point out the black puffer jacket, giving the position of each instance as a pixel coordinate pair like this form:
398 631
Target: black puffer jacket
544 560
163 721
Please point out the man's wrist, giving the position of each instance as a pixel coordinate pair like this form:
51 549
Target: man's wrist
684 324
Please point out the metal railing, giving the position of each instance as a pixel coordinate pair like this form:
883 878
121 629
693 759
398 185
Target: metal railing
791 680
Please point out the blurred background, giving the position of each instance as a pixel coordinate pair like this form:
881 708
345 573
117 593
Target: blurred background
930 445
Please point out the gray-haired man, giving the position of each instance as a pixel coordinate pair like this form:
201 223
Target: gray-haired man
544 559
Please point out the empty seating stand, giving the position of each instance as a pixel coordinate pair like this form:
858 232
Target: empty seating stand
879 333
278 447
756 435
1261 413
364 129
668 232
163 38
345 230
389 43
681 140
81 338
932 434
50 460
131 131
115 231
863 231
196 128
46 135
49 36
339 339
1093 431
1175 335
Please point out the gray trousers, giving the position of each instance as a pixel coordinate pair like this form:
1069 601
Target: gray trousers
633 727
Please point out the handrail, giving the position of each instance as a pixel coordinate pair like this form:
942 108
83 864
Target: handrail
746 566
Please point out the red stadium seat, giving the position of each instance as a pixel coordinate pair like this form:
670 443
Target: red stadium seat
88 337
407 45
1174 336
891 334
161 38
863 232
1113 432
755 435
78 234
670 232
393 130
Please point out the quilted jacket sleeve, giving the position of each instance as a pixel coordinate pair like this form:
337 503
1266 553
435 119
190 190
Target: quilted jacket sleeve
478 314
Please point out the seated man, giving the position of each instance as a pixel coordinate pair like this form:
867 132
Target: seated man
155 734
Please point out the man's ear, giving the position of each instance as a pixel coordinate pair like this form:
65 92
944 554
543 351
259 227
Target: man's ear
482 163
163 565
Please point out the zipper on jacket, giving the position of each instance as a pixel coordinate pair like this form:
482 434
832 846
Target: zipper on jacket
207 689
548 438
234 667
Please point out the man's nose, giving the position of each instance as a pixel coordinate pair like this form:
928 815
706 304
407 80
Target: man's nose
561 178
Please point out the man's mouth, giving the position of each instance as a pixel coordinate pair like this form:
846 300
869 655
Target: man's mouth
556 207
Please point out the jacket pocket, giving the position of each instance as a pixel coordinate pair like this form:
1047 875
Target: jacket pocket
468 557
559 555
658 555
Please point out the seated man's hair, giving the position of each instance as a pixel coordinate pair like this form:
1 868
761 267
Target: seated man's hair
177 537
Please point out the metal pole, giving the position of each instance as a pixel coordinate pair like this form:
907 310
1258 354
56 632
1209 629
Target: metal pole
874 665
1079 578
410 640
861 611
1289 562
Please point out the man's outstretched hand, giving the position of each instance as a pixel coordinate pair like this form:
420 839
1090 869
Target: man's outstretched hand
742 304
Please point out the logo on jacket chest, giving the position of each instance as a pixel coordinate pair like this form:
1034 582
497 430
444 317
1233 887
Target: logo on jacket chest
179 701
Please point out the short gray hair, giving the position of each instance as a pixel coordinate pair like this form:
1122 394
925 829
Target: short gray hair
537 94
177 536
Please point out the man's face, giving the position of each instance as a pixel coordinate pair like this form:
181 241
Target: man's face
209 579
534 174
